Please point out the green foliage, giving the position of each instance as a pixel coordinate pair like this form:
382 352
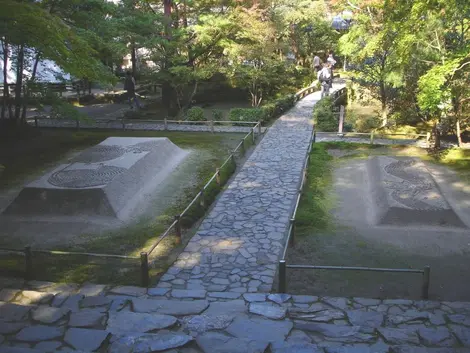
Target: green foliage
195 114
246 114
217 115
433 94
278 107
363 123
63 110
314 210
323 116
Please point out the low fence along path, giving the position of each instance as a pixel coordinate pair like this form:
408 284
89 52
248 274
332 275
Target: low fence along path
238 244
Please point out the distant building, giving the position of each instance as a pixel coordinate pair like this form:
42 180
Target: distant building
47 70
342 22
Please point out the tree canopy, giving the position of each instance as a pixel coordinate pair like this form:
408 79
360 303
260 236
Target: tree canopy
414 56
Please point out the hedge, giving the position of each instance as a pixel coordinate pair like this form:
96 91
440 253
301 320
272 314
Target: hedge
267 112
195 114
246 114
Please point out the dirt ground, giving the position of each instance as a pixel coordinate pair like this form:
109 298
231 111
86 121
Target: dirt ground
353 241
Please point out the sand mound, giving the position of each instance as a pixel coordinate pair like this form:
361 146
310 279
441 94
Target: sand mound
404 193
108 179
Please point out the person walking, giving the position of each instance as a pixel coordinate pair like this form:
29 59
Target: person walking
317 63
129 86
325 78
331 60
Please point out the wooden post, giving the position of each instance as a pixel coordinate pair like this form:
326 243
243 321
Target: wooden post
28 260
314 136
372 137
144 269
217 176
232 157
36 122
242 148
178 229
123 121
165 123
259 127
426 279
78 124
428 139
341 120
282 276
292 234
253 136
211 123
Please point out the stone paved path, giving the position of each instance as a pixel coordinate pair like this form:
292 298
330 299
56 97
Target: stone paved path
238 244
39 317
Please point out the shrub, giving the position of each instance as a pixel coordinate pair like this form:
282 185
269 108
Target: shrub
217 115
278 107
323 115
195 114
364 123
247 114
64 110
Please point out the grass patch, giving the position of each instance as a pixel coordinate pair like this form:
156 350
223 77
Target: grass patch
313 212
54 145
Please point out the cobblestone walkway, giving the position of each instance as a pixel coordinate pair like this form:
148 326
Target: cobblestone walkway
40 317
238 244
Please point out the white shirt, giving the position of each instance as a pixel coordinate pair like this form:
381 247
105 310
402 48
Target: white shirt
331 60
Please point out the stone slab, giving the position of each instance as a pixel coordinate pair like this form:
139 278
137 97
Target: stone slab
87 318
49 315
121 322
39 333
169 307
85 339
14 312
215 342
259 329
268 310
158 342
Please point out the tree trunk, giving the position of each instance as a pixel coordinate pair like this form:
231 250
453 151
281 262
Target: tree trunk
19 81
27 92
168 96
437 136
459 132
191 96
6 92
383 100
185 14
134 60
